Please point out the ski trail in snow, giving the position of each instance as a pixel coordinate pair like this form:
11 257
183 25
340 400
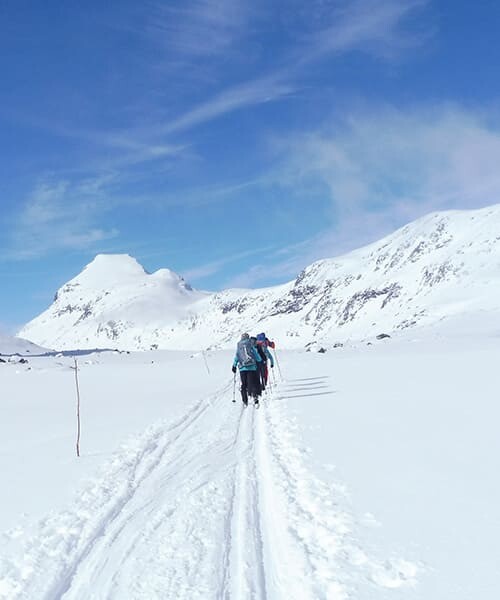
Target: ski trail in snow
110 518
245 577
286 566
219 504
105 550
174 505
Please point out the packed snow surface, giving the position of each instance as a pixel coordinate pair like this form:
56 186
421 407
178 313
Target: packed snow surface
369 472
440 266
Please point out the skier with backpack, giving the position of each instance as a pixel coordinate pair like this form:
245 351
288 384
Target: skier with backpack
263 348
247 360
265 355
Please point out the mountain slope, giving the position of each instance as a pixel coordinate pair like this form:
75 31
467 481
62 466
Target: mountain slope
10 345
111 297
442 265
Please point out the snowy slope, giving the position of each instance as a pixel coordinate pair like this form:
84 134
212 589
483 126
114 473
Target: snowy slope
14 345
441 265
108 304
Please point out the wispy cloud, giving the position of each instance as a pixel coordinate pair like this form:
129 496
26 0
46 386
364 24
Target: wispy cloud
415 160
208 27
58 215
131 146
380 169
234 98
191 29
282 264
198 28
374 26
370 25
215 266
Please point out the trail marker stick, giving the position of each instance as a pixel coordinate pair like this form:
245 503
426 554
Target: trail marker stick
77 410
205 359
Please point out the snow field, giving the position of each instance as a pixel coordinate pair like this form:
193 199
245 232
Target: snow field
410 429
318 515
216 503
367 474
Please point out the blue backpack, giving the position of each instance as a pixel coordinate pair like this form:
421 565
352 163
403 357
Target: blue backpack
244 352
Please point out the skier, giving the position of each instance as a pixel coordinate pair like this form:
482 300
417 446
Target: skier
261 337
264 355
262 346
247 358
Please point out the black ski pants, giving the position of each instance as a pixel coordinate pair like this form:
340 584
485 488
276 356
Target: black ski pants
263 373
250 385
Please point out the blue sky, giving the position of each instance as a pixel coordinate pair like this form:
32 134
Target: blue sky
234 141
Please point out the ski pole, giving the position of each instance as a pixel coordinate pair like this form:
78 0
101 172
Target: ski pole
274 377
234 387
278 363
269 383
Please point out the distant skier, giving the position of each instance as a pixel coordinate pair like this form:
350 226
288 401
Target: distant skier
262 338
265 355
247 359
263 347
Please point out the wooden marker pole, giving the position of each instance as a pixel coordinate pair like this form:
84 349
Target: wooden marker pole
77 410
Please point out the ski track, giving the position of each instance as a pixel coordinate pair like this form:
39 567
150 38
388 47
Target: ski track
218 505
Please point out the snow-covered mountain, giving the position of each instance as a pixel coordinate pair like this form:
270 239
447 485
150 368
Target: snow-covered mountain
442 265
110 302
10 345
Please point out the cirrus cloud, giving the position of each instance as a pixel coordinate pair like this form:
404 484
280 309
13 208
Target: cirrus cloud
58 215
381 168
